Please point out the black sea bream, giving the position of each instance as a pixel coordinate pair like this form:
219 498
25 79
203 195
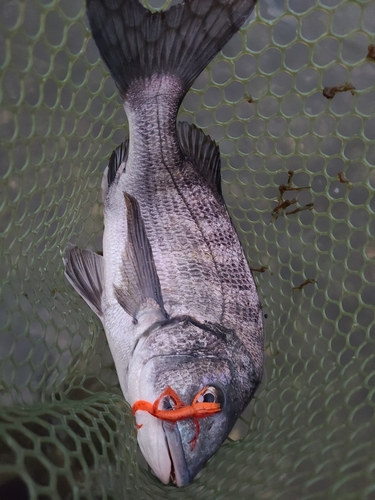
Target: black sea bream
173 288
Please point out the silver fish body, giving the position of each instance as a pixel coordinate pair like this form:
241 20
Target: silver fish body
173 288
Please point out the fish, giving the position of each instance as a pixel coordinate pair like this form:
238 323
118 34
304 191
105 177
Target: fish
173 288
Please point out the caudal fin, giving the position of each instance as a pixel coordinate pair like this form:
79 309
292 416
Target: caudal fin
136 44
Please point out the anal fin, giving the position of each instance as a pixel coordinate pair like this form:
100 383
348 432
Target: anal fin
118 156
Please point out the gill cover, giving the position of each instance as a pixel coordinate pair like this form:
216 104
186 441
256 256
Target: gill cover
174 450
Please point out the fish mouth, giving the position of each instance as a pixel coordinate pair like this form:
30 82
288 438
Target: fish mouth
179 470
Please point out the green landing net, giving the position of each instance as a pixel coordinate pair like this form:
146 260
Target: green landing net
298 178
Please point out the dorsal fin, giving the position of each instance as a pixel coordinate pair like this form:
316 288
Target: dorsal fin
203 153
118 156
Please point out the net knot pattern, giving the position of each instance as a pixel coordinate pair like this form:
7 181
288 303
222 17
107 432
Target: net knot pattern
298 173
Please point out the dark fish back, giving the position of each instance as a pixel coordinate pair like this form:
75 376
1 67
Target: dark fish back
202 268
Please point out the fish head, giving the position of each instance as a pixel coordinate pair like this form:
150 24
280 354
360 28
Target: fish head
177 449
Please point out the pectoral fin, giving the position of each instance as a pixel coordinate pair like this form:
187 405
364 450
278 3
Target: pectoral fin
84 271
140 288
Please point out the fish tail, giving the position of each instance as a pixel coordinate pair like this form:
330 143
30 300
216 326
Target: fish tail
137 44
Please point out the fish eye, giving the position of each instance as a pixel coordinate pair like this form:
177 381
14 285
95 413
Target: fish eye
211 394
209 397
167 403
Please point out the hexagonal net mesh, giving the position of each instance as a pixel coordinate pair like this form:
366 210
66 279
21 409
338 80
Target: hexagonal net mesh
65 431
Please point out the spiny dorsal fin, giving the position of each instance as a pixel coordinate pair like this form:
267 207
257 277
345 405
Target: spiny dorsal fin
140 289
118 156
202 152
84 271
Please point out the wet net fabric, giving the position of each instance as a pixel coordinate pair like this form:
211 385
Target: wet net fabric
298 178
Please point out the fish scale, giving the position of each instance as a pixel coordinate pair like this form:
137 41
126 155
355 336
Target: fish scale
152 178
173 289
211 222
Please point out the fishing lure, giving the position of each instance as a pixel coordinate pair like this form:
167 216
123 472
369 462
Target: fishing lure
198 409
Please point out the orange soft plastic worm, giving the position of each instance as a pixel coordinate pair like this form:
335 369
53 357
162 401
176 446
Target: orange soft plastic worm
180 411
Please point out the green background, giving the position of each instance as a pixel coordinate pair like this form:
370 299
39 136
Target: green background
65 431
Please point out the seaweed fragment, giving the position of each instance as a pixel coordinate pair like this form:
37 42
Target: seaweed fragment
283 204
330 92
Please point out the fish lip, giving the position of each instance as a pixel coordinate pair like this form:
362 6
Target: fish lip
179 471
